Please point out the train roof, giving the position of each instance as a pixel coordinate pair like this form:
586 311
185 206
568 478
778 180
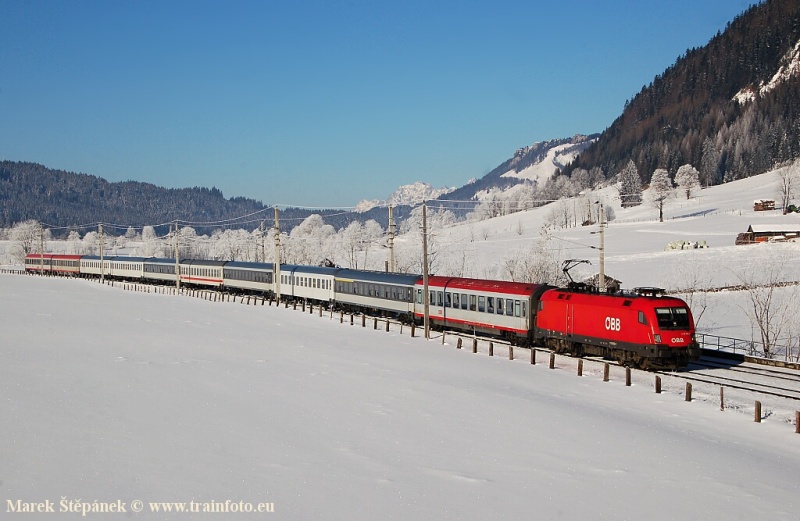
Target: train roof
161 260
403 279
613 299
315 270
201 262
250 265
494 286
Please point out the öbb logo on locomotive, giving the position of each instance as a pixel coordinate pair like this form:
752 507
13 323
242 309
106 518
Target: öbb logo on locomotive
613 324
576 319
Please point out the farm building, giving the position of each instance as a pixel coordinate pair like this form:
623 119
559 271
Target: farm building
769 232
762 205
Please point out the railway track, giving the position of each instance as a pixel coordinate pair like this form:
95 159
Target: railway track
747 377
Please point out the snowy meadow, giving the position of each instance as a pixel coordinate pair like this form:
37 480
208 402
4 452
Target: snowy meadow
120 396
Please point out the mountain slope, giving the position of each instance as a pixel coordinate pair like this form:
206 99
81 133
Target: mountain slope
691 113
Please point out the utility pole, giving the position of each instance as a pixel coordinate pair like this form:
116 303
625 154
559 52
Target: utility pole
277 262
601 286
263 249
41 249
426 301
102 266
177 260
391 240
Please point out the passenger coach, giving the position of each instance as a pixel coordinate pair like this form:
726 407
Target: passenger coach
495 308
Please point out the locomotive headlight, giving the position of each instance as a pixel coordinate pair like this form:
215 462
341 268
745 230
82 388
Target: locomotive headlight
658 339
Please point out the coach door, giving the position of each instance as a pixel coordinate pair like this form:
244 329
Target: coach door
569 319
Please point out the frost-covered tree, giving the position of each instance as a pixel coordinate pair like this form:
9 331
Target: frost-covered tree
660 190
630 186
74 246
27 237
687 178
309 242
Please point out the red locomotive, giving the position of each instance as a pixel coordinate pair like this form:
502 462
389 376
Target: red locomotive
643 328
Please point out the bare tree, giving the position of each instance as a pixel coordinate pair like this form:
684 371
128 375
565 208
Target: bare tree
692 280
540 263
788 184
771 312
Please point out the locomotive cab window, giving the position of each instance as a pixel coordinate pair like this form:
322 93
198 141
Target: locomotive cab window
672 318
642 318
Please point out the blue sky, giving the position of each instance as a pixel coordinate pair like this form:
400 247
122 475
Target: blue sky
323 103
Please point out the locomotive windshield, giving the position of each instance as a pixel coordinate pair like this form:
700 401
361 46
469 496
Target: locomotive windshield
672 318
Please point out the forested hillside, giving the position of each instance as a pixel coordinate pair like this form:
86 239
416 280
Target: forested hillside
59 198
723 108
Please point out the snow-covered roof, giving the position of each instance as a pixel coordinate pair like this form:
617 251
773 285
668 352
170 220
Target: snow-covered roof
782 228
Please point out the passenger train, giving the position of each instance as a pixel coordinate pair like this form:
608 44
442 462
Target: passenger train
643 328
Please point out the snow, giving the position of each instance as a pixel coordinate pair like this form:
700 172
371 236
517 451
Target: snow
789 67
118 395
543 170
112 395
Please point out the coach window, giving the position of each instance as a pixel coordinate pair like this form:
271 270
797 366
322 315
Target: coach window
439 298
499 306
473 302
419 296
464 302
455 300
490 304
517 306
524 308
481 303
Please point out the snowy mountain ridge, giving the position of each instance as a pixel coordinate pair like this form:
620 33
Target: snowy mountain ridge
408 195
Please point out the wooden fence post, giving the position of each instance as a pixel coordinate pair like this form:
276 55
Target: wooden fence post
363 320
606 370
688 392
510 352
458 344
533 356
552 360
658 384
627 377
474 345
413 326
757 418
341 317
721 398
491 348
444 333
387 325
797 422
580 366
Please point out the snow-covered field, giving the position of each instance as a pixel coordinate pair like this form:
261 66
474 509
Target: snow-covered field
111 395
